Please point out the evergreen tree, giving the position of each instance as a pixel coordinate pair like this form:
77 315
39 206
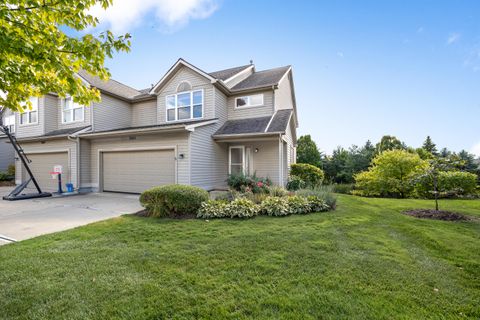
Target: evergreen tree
307 151
429 146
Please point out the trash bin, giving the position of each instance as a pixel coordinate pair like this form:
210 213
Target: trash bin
69 187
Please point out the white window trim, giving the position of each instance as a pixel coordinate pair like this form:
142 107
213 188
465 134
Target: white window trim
28 112
10 125
230 158
73 111
250 105
191 106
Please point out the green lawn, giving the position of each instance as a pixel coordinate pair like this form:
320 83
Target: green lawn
363 261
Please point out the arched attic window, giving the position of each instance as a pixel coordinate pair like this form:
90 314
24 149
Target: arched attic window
184 86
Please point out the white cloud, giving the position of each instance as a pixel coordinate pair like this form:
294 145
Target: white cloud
476 150
170 15
453 37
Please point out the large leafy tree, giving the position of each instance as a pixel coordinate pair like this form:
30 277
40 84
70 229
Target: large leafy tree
393 173
307 151
389 143
43 44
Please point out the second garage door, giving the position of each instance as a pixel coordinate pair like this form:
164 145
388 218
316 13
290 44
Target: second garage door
136 171
41 166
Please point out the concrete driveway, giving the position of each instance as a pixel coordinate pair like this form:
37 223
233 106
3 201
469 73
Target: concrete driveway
20 220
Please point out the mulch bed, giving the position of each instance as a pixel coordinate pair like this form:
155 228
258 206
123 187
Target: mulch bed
436 215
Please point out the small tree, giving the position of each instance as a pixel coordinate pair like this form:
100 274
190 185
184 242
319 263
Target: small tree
432 173
307 151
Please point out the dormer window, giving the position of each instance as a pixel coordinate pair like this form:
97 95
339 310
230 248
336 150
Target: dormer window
30 116
72 111
185 105
249 101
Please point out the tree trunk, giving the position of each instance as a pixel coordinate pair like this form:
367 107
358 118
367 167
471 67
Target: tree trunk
435 191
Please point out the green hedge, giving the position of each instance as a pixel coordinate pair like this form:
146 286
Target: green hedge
311 175
173 200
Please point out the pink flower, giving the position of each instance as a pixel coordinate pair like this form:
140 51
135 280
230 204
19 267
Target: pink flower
259 184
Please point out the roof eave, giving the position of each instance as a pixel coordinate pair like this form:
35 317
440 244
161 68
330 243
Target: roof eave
247 135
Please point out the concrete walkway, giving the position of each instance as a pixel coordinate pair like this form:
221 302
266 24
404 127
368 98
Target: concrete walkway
25 219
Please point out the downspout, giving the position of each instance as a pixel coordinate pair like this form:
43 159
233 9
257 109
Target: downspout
76 139
280 161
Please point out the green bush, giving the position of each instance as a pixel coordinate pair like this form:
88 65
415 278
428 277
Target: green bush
11 170
344 188
213 209
274 206
298 205
4 176
277 191
247 183
323 192
317 205
451 184
313 176
295 183
241 208
173 200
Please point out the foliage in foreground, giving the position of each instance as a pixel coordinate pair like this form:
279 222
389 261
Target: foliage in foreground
173 200
38 56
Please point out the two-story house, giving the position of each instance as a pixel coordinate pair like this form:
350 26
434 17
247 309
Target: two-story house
192 127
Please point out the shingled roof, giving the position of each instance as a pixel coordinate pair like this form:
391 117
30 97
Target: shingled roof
261 79
111 86
228 73
276 123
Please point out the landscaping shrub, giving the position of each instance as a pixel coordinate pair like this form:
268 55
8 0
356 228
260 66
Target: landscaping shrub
344 188
298 205
295 183
275 206
4 176
11 170
241 208
254 197
213 209
277 191
247 183
323 192
313 176
173 200
317 205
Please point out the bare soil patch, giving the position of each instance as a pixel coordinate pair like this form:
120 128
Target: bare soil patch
436 215
7 183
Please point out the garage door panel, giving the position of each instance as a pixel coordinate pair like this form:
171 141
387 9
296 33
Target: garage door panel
136 171
42 164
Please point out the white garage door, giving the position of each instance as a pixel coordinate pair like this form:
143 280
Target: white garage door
42 164
136 171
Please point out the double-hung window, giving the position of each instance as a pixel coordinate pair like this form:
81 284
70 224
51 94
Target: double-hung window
72 111
249 101
9 122
30 116
185 105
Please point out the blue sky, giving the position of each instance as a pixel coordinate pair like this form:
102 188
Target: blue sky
362 69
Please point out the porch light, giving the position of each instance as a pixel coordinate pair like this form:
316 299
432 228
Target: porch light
256 150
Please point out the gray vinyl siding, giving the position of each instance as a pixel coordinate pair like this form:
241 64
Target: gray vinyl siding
209 160
265 162
85 164
7 154
197 82
239 77
51 113
178 140
60 145
32 130
252 112
87 118
111 113
144 113
220 106
283 95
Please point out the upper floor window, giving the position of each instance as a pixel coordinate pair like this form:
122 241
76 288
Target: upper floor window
9 122
185 105
30 116
72 111
249 101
